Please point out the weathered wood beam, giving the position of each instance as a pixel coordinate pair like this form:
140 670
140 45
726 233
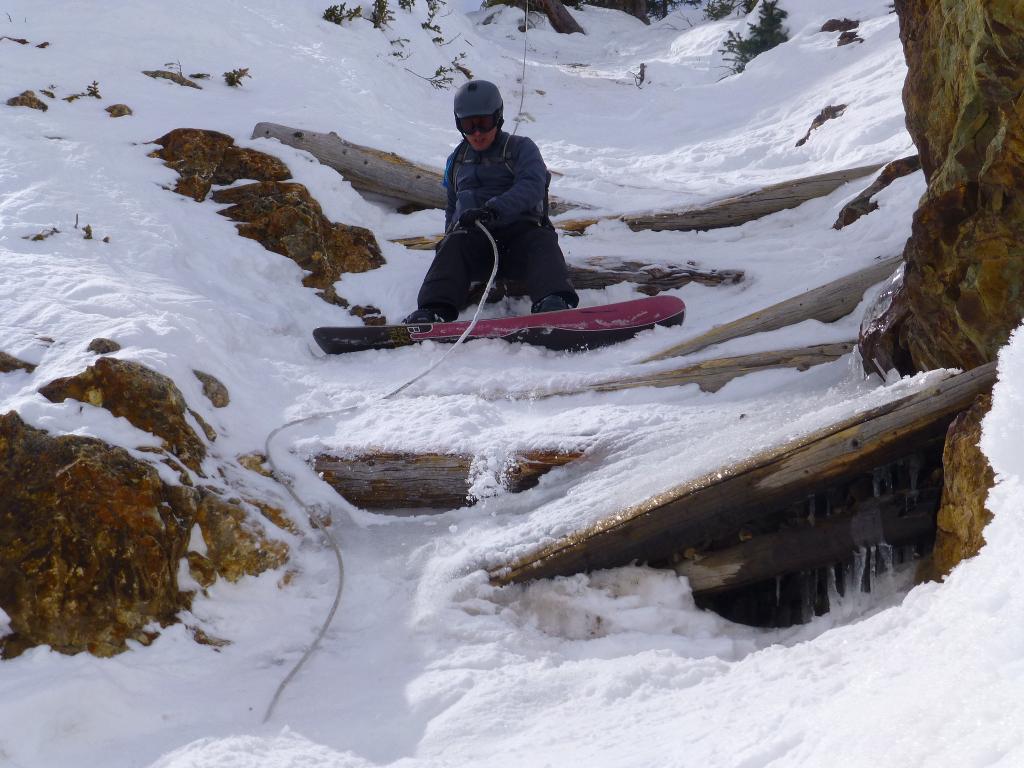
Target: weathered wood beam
367 169
829 540
388 480
604 272
827 303
651 279
373 170
712 375
733 211
696 512
728 212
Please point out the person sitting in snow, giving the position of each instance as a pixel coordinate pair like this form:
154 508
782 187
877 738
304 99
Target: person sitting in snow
501 181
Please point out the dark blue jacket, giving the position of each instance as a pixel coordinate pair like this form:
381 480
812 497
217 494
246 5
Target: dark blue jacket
509 177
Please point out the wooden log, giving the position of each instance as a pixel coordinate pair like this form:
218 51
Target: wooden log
604 272
367 169
650 279
383 481
371 170
733 211
561 20
712 375
826 303
728 212
711 506
828 541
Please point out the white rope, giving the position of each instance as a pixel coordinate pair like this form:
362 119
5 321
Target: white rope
312 512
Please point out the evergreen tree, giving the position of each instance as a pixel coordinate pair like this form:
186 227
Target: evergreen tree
767 33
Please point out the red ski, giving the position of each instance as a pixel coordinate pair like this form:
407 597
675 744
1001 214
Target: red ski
569 329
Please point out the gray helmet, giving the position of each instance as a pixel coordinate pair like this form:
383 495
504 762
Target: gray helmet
479 97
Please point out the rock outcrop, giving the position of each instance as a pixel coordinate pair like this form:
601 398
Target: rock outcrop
286 219
965 257
967 479
964 262
147 399
9 363
283 217
90 540
28 99
204 158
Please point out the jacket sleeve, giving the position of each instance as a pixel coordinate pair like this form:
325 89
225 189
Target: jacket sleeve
527 190
446 182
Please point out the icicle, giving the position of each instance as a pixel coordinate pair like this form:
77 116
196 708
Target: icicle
778 590
869 572
876 481
885 552
811 508
859 560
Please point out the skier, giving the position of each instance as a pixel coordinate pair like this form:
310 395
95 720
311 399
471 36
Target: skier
501 181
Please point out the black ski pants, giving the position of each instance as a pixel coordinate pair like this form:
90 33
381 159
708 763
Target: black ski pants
526 251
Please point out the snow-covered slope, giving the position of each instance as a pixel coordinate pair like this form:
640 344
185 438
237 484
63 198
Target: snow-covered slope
426 664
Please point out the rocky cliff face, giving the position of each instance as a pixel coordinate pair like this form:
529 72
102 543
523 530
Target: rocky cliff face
964 276
964 98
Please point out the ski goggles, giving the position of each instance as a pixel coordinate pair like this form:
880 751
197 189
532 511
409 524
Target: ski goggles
476 124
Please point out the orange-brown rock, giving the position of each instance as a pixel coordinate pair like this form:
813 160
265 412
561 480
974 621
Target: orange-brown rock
9 363
236 545
203 158
286 219
101 346
90 540
967 479
214 390
965 258
28 99
147 399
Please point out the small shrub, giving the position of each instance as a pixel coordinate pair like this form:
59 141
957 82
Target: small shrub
381 14
92 90
234 77
339 14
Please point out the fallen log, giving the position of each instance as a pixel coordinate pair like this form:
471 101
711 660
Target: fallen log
561 20
826 303
728 212
720 502
371 170
712 375
819 545
600 273
384 481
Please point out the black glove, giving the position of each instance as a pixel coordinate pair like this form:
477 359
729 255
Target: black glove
484 215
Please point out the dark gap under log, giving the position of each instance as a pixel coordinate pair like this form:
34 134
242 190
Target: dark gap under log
697 513
827 541
383 481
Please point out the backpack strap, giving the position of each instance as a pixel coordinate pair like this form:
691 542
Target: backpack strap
451 177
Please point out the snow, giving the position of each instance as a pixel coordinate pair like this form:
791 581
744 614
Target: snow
426 663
